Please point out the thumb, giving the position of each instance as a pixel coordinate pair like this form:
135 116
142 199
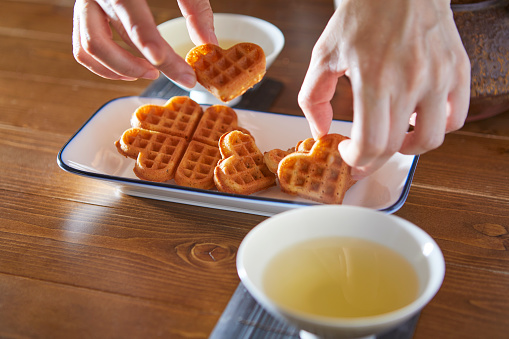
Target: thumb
200 21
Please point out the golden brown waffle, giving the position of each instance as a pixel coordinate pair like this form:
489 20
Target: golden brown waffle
157 154
216 121
320 174
274 156
178 117
227 73
197 166
305 145
241 169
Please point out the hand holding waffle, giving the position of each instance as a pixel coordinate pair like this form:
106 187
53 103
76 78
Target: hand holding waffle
94 47
419 68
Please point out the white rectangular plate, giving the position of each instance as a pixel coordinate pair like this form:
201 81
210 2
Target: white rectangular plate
91 152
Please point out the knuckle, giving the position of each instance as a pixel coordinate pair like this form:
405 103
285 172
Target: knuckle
431 142
372 148
455 123
326 57
304 99
392 148
464 68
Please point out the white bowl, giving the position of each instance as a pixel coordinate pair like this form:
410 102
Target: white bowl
288 228
230 28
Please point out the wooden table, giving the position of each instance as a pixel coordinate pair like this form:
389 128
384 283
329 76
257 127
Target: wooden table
78 260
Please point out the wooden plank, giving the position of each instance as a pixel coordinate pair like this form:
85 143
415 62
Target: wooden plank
487 176
55 105
470 304
41 309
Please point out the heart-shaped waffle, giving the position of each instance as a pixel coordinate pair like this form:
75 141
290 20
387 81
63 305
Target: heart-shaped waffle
241 169
157 154
177 121
197 166
227 73
320 174
178 117
216 121
305 145
273 157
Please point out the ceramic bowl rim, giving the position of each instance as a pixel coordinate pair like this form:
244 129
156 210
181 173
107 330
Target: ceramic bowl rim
429 291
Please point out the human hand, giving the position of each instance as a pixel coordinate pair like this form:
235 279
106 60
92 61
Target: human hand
402 57
94 48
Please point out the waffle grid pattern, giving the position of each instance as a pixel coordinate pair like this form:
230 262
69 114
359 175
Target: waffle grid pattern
157 154
228 73
319 174
178 117
221 68
197 166
242 169
216 121
165 156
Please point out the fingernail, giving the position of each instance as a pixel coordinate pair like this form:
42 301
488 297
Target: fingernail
151 74
187 80
343 147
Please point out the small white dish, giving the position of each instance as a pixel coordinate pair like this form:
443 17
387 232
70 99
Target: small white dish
229 28
91 152
282 231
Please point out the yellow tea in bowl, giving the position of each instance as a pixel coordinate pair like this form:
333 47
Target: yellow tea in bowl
340 277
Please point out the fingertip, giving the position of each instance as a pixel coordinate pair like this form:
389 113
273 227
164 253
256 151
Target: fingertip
355 172
343 145
344 148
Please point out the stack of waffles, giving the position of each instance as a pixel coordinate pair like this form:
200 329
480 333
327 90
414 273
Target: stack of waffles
180 141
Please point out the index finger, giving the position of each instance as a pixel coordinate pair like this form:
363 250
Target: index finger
314 98
139 23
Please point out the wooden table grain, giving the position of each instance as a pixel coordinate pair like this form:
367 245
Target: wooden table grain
78 260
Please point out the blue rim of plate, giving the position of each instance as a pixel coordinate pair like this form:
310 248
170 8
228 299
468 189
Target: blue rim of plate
172 187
